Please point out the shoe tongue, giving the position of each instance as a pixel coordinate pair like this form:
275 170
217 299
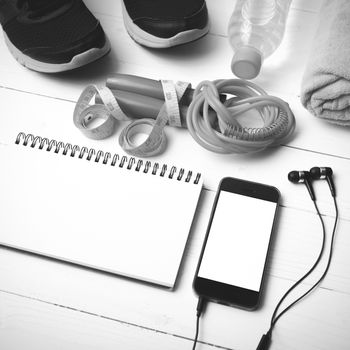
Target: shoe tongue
40 8
37 4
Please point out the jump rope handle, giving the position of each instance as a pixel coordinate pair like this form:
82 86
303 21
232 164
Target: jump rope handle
141 97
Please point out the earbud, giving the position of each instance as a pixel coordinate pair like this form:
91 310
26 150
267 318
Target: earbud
323 173
302 177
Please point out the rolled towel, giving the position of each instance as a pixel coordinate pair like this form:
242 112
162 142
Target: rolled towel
325 89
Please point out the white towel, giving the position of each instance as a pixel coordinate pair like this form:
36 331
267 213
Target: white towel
325 89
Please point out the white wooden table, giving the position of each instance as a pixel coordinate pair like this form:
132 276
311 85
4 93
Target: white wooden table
46 304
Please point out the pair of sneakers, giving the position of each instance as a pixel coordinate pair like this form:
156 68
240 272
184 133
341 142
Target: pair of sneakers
59 35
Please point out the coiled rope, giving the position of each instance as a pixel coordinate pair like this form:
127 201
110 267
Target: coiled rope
225 134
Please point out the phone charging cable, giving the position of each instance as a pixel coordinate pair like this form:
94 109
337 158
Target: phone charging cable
200 308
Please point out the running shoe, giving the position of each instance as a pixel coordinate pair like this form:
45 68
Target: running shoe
52 35
165 23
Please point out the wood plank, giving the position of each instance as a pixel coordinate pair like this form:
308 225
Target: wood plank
319 322
296 246
52 118
30 324
42 325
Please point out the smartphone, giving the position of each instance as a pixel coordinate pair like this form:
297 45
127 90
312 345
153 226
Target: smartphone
232 263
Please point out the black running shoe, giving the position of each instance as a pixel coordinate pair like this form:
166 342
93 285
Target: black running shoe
52 35
165 23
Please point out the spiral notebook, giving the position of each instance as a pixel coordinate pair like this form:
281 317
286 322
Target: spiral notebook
113 213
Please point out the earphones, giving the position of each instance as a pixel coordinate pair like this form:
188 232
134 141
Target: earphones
306 177
302 177
315 173
324 173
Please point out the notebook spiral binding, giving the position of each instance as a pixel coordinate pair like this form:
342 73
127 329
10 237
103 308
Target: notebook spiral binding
67 149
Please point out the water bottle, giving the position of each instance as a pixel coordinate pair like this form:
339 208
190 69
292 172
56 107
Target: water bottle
255 31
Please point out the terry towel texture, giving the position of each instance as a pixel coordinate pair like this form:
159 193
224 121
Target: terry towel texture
325 89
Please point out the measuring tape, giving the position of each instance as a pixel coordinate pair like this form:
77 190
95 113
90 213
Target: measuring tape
86 114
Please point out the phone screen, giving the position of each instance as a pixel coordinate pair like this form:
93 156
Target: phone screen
238 240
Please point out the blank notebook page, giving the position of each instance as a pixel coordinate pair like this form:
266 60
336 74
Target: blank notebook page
111 218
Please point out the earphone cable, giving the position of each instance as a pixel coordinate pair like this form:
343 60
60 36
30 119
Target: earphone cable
275 318
327 266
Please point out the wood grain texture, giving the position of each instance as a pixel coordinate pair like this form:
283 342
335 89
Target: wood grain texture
45 304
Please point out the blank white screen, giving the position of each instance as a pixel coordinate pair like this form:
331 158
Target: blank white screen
237 244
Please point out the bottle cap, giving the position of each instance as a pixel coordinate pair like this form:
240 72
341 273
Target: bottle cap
246 62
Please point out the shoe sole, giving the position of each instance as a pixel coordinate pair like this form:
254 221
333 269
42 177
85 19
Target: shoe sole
149 40
77 61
